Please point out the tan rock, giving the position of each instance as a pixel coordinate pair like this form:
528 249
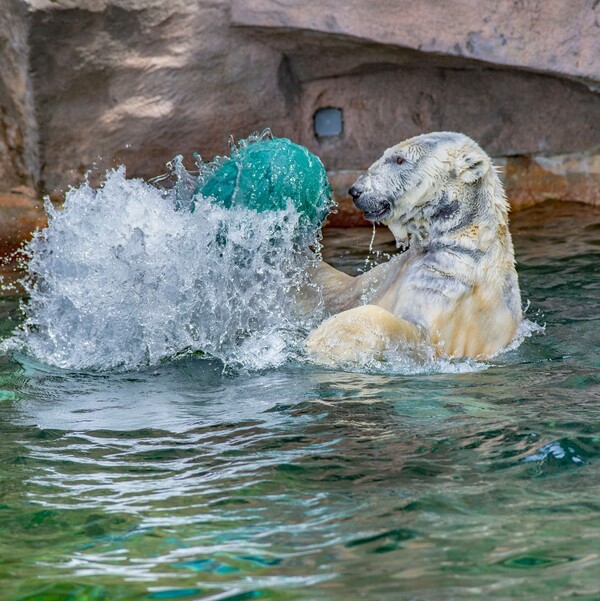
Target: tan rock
508 112
531 180
21 213
528 180
346 214
141 81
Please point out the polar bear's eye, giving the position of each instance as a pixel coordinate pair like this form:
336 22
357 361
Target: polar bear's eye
400 160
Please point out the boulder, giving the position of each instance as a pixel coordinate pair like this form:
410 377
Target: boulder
509 113
531 180
345 214
528 180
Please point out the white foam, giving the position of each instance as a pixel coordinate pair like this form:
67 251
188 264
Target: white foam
526 329
122 279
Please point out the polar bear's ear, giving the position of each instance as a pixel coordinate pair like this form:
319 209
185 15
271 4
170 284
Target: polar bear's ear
472 164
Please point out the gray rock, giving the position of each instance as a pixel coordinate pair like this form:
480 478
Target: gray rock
138 82
508 112
19 162
556 37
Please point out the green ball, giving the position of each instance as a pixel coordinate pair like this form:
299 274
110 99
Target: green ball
265 174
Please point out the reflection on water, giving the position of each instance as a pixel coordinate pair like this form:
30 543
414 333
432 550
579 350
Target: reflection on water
181 482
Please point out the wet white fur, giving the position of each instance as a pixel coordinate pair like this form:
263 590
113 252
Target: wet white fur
455 289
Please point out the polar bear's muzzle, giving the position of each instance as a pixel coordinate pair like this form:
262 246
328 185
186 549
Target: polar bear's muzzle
381 210
374 208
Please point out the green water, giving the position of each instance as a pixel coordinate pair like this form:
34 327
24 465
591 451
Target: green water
300 483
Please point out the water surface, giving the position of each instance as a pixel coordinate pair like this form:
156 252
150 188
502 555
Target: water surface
182 482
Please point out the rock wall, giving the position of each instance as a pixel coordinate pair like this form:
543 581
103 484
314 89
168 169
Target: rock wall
508 112
101 82
552 36
19 162
521 77
139 81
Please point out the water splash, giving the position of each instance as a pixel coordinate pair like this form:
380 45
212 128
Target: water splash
369 262
374 256
526 329
124 278
134 273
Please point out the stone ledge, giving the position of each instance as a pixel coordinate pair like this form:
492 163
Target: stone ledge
532 180
555 37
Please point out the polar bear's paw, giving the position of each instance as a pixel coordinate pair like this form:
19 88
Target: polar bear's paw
360 336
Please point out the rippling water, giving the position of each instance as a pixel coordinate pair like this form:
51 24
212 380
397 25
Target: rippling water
180 482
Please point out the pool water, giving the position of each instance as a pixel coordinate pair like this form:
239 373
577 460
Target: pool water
182 482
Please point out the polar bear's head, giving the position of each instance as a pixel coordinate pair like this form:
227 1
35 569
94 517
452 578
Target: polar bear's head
428 181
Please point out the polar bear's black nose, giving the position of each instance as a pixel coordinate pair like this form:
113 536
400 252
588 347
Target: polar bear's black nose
354 192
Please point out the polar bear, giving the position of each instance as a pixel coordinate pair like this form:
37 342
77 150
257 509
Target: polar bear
455 288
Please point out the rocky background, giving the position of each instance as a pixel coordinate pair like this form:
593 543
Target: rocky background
94 83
